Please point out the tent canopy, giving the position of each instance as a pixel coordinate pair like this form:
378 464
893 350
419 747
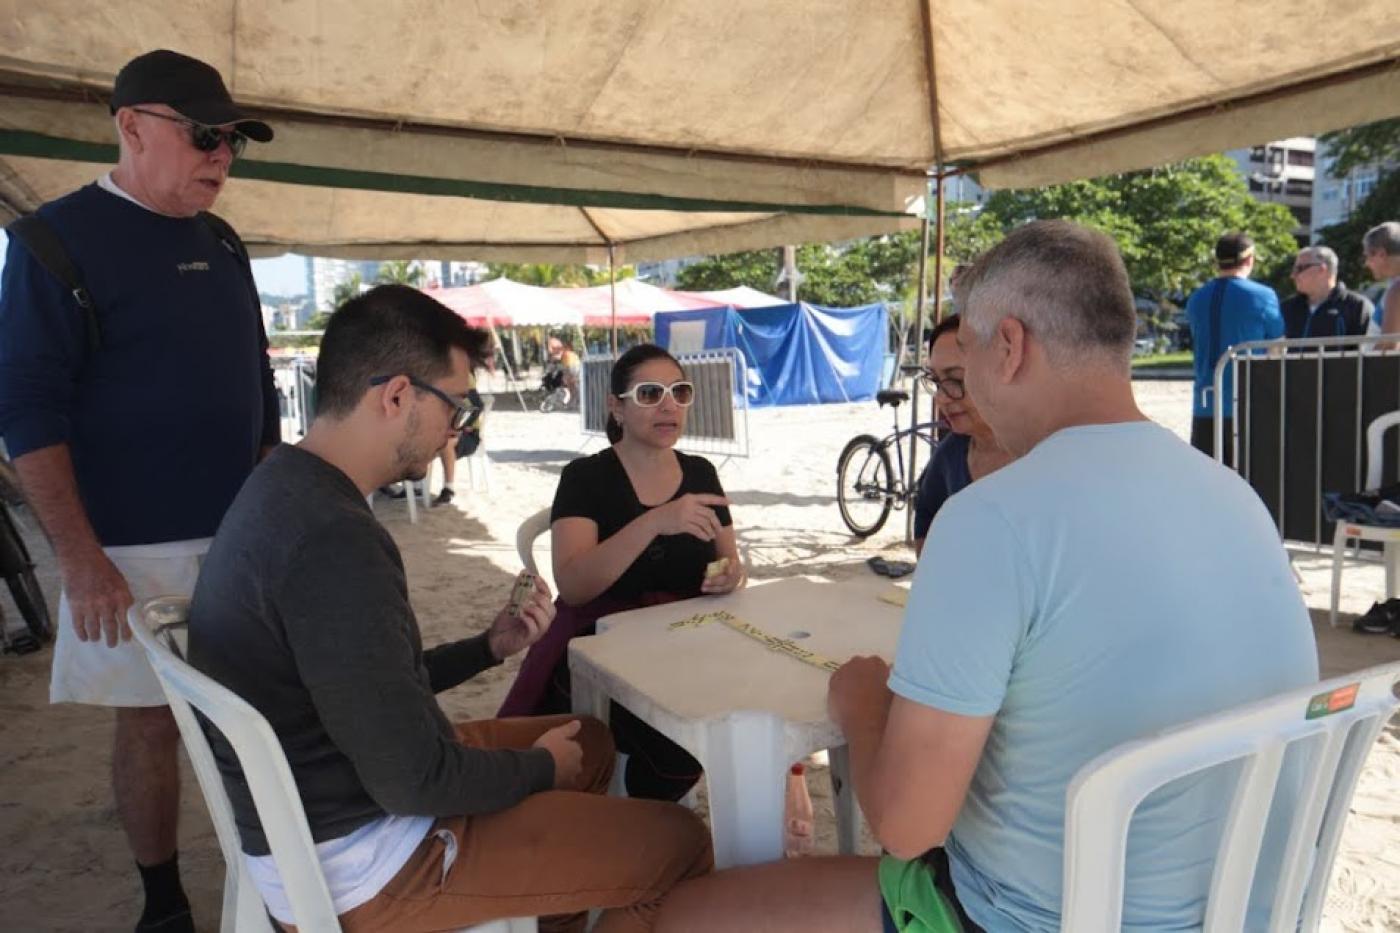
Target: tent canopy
666 127
505 303
795 354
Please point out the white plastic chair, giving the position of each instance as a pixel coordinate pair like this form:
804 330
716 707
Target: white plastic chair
525 536
1106 791
411 492
1390 537
269 779
479 461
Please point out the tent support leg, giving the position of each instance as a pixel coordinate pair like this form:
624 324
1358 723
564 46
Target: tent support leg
612 292
919 304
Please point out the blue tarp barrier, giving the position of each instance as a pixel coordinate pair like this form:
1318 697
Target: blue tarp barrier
797 354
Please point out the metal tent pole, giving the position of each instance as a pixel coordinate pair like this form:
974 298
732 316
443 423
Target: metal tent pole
919 304
612 292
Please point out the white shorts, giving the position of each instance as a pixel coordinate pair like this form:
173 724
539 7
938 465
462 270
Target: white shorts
91 672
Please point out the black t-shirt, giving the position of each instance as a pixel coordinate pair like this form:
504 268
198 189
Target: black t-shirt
597 488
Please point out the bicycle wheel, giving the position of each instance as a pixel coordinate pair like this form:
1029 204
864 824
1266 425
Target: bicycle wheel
28 596
864 486
18 571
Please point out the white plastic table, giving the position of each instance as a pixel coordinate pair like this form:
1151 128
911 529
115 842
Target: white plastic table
744 711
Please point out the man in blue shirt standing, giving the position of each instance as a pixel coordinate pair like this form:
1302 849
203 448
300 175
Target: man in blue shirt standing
1227 310
134 421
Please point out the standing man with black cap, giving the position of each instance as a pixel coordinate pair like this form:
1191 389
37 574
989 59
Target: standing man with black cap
1227 310
134 406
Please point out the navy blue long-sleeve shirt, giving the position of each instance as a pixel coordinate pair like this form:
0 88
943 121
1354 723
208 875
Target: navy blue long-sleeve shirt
165 420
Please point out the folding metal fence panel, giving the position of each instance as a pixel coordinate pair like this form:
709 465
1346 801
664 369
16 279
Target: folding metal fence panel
717 422
295 378
1301 411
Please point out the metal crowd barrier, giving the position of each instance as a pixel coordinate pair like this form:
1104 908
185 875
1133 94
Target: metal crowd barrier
295 377
1301 408
718 420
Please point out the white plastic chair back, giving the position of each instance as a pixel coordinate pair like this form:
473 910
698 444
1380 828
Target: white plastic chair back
525 536
1106 791
1375 453
269 780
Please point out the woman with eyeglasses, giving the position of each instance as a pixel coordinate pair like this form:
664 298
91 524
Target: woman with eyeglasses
636 524
966 455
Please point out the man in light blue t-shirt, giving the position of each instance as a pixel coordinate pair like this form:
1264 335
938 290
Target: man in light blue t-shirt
1227 310
1109 583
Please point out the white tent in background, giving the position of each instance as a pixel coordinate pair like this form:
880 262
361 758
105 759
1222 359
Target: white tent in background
740 297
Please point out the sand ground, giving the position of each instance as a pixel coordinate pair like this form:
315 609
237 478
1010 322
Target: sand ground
63 860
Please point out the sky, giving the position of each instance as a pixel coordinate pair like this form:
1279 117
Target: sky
283 275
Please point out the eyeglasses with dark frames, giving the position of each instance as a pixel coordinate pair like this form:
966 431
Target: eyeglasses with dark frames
463 415
202 137
953 389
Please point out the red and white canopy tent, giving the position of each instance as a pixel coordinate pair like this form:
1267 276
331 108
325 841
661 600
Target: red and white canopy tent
505 303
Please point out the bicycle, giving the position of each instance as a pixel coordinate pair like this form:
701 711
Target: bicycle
867 488
18 570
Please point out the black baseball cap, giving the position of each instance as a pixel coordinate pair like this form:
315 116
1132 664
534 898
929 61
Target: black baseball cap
189 86
1232 250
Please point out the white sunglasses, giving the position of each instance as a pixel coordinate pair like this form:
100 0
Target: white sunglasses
650 394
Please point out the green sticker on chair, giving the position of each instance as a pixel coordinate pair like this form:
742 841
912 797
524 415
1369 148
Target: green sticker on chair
1334 701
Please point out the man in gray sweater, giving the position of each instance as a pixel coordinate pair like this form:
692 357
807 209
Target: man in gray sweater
302 609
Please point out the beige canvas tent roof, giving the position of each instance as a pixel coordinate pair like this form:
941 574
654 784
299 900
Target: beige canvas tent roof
436 125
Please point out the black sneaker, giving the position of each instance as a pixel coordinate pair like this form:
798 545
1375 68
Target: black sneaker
1380 619
393 492
443 497
181 922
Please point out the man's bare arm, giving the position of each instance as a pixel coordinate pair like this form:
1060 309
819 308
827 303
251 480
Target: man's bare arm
98 594
1390 315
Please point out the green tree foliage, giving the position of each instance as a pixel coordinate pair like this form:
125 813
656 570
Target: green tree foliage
399 271
1377 143
754 268
1165 220
1381 205
1360 145
345 291
549 275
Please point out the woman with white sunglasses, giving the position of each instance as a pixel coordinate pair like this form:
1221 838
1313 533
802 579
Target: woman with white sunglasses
634 525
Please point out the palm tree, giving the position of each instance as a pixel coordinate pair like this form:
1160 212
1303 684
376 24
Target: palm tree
346 290
548 275
401 271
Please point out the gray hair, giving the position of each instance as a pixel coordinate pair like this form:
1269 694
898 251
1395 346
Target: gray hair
1383 237
1067 285
1322 254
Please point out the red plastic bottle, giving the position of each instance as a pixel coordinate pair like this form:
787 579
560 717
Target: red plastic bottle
797 815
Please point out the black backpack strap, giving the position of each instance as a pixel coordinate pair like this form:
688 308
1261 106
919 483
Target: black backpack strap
234 244
47 249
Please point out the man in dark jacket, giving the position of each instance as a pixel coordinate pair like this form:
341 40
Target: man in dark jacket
1323 306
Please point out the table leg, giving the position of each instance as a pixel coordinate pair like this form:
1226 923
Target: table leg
843 799
588 700
745 774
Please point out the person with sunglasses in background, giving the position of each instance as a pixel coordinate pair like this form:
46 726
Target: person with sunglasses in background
970 451
1323 306
135 399
636 524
